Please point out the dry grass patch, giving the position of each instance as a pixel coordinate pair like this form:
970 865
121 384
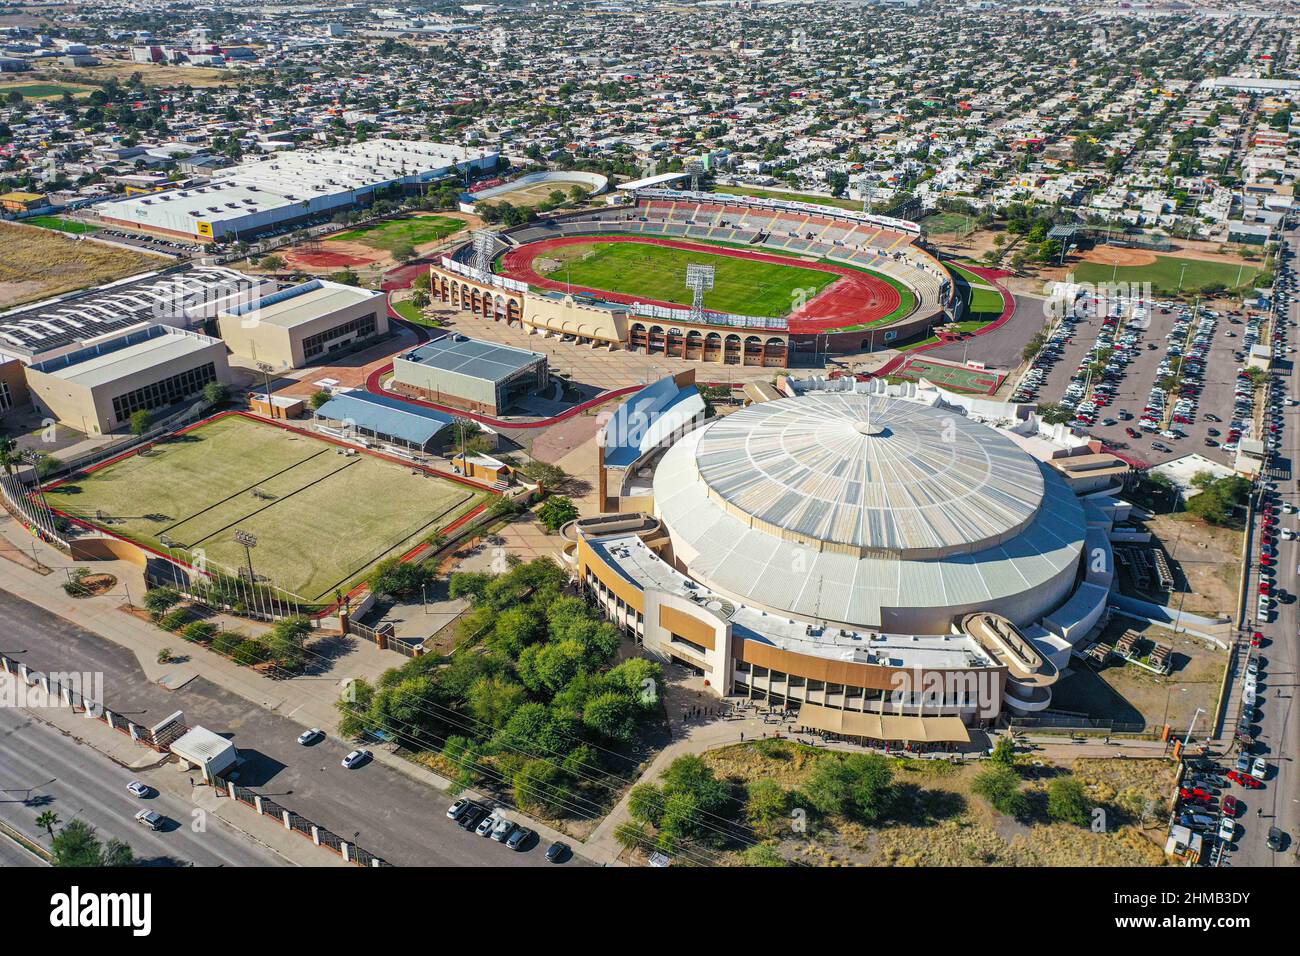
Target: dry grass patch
38 263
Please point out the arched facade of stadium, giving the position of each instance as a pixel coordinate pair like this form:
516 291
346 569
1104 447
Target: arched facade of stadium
894 560
865 249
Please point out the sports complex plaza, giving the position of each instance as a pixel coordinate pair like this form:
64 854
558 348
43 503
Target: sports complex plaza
901 562
879 287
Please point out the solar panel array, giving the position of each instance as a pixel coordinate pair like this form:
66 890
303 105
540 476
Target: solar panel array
926 482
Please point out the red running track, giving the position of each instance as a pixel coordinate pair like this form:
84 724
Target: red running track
856 299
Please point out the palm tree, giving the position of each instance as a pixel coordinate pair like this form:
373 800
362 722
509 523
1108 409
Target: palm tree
49 819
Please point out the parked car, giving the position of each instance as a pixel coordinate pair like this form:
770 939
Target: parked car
501 832
1259 768
311 736
520 837
487 825
557 852
457 809
356 758
472 817
1227 829
1276 839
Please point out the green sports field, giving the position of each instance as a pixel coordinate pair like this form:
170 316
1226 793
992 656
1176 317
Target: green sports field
417 230
60 224
321 518
744 286
1164 272
44 91
955 377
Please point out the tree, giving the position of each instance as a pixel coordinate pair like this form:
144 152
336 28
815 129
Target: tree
399 578
140 422
763 854
646 803
1067 802
1004 752
49 820
216 393
403 251
611 715
556 512
1000 786
538 785
77 845
287 641
272 263
859 786
157 601
8 454
767 805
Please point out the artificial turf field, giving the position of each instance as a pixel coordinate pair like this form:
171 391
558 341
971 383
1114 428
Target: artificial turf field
321 519
1164 272
743 286
417 230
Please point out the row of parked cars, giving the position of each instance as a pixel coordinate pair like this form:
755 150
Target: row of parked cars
476 818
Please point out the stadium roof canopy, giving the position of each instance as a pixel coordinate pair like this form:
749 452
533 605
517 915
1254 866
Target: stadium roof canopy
647 418
382 415
652 181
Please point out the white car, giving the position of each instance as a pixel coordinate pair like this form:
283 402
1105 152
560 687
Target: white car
140 789
310 736
1259 768
356 758
488 825
501 832
1227 829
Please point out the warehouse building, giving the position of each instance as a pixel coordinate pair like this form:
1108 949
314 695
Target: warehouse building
97 388
305 323
293 187
467 373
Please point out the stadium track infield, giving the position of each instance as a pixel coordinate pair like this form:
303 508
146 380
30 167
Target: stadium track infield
321 518
857 299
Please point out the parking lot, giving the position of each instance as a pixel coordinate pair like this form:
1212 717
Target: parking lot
1109 362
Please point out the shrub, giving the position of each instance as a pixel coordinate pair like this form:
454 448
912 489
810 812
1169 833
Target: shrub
1067 802
199 632
250 651
225 642
175 620
1001 787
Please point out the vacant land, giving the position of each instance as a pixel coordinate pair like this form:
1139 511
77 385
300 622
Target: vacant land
937 820
1164 273
321 518
38 263
415 230
852 204
658 272
536 193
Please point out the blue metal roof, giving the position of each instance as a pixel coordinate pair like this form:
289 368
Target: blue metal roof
386 416
644 419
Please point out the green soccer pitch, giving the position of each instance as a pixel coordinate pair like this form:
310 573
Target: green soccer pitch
387 235
744 286
321 518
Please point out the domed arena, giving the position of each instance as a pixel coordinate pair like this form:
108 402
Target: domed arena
899 561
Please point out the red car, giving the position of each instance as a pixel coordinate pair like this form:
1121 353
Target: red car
1257 639
1245 779
1132 433
1229 806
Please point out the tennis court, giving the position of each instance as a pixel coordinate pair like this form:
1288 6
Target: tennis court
321 518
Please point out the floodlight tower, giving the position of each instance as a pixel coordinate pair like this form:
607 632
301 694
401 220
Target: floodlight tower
699 279
866 187
484 245
695 169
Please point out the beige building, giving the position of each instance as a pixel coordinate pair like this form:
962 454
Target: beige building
304 324
97 388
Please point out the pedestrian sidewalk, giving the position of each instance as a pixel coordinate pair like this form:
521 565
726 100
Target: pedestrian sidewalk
310 703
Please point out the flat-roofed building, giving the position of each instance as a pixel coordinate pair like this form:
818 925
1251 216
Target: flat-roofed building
467 373
304 323
99 387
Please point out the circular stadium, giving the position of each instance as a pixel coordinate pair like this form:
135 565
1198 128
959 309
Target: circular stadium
903 516
825 279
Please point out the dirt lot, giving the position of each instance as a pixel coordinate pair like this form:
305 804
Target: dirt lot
1126 693
940 822
1207 558
38 263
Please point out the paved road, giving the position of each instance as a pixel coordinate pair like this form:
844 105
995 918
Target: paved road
1279 724
12 855
1002 347
43 769
378 808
